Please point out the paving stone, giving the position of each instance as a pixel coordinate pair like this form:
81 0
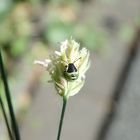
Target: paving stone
126 124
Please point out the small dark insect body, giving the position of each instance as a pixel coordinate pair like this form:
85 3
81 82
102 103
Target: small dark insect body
71 72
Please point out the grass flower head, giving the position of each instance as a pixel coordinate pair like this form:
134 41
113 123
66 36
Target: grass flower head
67 67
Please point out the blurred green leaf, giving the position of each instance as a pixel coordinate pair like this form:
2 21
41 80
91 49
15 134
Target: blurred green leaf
89 37
58 31
5 6
19 46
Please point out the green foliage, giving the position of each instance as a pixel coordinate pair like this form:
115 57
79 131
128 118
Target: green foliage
90 37
61 23
19 46
87 35
58 30
5 6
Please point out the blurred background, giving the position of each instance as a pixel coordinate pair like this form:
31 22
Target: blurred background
107 108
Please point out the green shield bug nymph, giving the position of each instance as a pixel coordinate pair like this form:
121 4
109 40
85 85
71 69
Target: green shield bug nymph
71 73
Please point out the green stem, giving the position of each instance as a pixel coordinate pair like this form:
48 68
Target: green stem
62 117
6 119
8 98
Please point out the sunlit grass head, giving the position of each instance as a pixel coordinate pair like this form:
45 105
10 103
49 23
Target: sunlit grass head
67 67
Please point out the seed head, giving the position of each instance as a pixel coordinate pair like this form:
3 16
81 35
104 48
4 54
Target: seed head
67 67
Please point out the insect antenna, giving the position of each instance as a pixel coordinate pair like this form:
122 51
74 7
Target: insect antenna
76 60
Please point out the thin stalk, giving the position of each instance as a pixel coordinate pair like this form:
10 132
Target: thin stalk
62 118
6 119
9 102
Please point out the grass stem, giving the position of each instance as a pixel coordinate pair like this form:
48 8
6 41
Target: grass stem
9 102
62 118
6 119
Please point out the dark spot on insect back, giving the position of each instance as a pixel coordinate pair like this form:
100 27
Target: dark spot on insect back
71 68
